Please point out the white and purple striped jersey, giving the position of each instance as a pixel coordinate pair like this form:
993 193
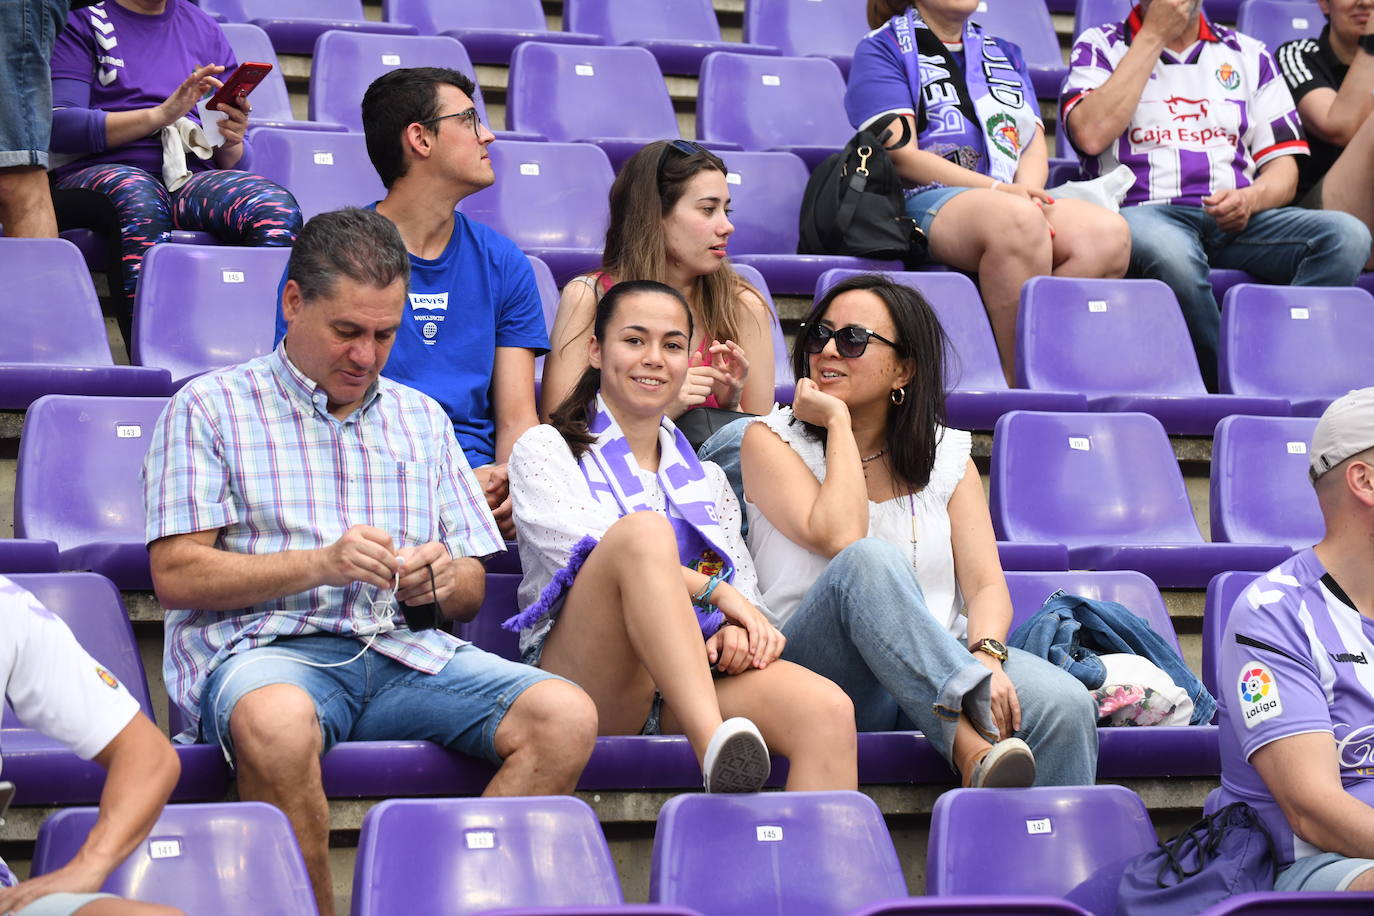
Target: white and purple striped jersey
1208 119
1296 658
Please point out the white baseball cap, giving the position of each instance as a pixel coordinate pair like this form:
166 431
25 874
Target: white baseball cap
1345 429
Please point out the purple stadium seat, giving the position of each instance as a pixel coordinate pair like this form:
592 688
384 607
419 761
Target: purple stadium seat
613 97
485 630
489 29
1067 842
978 392
231 859
199 308
346 63
1223 278
1108 486
1069 339
1063 169
325 171
1088 14
1272 903
28 555
550 199
1134 591
623 909
1032 557
1309 346
1222 10
446 857
766 194
293 25
1028 24
678 33
1260 491
1222 594
793 104
800 853
548 297
52 335
1276 21
982 905
78 482
784 385
271 102
820 28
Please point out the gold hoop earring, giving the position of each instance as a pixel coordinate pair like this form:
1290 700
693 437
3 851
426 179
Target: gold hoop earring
897 396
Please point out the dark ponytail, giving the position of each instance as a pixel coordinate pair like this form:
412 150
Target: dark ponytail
572 416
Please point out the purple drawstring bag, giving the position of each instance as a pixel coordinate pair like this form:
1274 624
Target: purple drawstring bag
1226 853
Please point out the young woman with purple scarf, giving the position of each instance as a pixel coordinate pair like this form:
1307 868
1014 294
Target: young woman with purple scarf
976 162
637 584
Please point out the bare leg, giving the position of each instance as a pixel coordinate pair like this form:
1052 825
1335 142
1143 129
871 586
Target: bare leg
126 908
277 743
1006 240
627 625
801 715
25 203
1363 882
544 740
1347 186
1089 241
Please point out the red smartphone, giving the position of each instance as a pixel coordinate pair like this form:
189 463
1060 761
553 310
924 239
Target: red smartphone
242 81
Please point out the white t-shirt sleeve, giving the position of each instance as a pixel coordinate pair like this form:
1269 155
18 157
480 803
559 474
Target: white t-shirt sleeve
52 683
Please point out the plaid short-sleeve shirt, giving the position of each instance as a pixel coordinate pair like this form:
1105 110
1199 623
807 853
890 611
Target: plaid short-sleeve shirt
253 453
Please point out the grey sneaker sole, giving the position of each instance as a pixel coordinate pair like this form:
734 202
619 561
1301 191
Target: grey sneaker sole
1009 765
741 765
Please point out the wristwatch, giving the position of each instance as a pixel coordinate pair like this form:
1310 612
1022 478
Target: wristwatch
1366 43
991 647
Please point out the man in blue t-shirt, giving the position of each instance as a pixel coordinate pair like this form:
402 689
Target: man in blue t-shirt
475 322
1297 676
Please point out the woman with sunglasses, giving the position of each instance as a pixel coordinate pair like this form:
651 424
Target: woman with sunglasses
976 164
876 556
636 581
670 222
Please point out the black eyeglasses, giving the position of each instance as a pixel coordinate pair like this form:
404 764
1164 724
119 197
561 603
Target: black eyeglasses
470 115
685 147
850 341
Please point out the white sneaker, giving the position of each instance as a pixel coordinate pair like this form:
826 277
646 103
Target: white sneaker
736 758
1008 764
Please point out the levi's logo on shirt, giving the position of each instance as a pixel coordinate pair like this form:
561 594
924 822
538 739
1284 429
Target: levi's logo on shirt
422 302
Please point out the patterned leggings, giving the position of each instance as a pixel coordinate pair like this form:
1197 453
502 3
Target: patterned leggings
235 207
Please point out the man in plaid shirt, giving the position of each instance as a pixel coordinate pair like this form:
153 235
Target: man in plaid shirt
295 503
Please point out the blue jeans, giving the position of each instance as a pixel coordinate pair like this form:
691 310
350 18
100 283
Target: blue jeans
375 698
1328 872
28 29
864 624
1287 245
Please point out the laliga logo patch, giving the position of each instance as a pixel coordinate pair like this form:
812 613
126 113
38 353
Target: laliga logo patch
1004 135
107 677
1259 694
1228 76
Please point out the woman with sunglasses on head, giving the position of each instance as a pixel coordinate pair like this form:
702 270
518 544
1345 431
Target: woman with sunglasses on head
876 556
636 581
976 162
670 222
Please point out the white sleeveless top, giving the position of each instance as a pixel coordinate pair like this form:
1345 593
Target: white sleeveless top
786 570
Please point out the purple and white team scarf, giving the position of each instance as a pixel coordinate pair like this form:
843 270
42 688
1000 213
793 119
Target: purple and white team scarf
980 117
612 475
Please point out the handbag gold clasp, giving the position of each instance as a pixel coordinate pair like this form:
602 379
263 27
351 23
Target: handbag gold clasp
864 153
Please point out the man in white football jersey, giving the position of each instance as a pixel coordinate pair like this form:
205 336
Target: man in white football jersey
1203 118
1296 677
57 688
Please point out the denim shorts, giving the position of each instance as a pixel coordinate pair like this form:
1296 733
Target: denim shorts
28 29
1325 871
375 698
60 904
923 205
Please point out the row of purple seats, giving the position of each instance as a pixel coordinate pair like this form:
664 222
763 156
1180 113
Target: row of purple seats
1091 13
1276 21
293 25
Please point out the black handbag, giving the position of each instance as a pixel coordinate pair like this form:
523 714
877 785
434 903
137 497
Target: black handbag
699 423
854 205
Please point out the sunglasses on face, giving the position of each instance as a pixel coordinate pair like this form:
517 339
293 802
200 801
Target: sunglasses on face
850 341
470 116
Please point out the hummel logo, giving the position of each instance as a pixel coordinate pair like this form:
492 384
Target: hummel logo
1349 657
